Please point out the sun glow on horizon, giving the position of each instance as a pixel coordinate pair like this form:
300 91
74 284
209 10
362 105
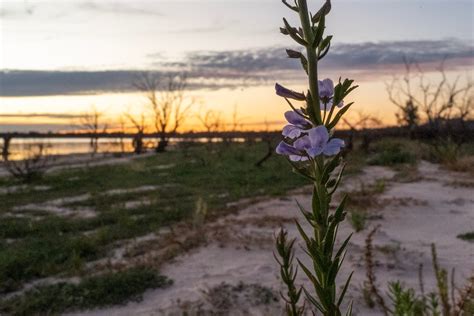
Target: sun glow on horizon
258 108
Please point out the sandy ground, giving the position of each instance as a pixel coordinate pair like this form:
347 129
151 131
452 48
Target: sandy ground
60 162
434 207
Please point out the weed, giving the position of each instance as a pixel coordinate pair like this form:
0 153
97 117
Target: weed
43 246
392 152
467 236
405 301
358 220
92 292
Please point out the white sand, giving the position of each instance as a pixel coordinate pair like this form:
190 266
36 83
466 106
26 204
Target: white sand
71 161
61 206
413 216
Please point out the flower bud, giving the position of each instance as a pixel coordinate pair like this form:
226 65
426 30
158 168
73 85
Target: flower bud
322 12
289 94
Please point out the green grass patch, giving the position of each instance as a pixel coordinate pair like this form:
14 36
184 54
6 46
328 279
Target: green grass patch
358 220
38 257
392 152
35 247
467 236
92 292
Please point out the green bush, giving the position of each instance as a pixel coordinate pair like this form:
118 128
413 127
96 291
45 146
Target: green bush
393 152
467 236
35 258
92 292
358 220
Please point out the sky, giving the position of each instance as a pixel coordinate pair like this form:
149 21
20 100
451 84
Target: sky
58 58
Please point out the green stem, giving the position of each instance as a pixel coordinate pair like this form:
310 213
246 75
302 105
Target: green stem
312 58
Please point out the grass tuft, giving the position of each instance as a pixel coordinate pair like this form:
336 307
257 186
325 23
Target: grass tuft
92 292
33 247
392 152
467 236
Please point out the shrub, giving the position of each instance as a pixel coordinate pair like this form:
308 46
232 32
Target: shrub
92 292
393 152
32 167
358 220
467 236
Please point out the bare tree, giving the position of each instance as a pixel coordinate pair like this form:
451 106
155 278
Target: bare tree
168 102
32 166
122 131
6 147
212 122
268 140
140 126
441 102
92 122
237 121
236 124
361 125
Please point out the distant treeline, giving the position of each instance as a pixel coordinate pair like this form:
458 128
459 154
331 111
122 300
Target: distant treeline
466 129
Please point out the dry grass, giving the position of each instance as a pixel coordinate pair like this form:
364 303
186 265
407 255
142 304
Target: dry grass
462 164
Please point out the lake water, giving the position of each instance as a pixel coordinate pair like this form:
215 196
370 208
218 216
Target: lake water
23 147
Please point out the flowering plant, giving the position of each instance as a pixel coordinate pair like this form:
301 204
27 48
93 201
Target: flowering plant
314 153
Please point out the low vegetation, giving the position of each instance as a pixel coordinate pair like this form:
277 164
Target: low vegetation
36 243
358 219
122 202
467 236
447 300
91 292
390 152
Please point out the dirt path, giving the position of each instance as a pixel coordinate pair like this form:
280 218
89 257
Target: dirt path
436 207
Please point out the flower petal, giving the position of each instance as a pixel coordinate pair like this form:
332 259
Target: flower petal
314 151
291 131
318 136
298 158
287 93
295 118
302 143
285 149
333 147
326 88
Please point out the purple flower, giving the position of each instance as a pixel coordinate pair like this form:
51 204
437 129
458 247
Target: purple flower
293 154
317 142
298 124
326 88
296 118
326 94
314 144
287 93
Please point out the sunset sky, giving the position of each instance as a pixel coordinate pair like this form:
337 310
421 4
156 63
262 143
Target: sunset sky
60 57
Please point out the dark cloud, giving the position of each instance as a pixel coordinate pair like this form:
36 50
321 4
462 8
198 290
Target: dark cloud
42 83
28 127
214 70
365 55
358 56
41 115
24 83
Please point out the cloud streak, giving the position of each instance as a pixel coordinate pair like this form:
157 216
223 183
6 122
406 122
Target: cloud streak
117 7
359 56
59 116
223 69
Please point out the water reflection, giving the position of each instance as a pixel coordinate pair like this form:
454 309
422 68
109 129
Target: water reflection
65 146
